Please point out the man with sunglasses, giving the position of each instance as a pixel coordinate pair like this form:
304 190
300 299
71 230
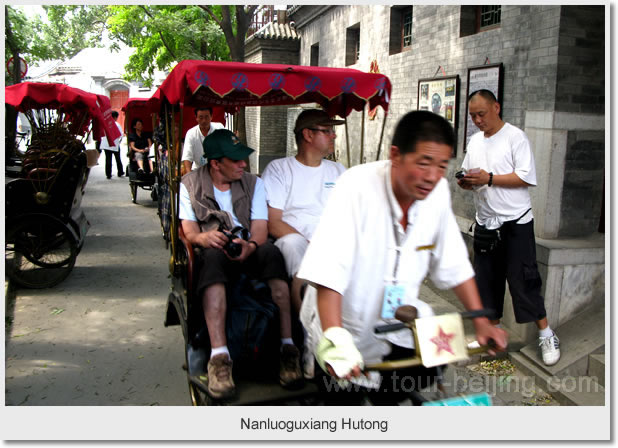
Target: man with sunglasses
297 188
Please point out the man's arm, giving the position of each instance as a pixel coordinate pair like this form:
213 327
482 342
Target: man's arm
186 167
510 180
212 238
276 226
329 310
468 295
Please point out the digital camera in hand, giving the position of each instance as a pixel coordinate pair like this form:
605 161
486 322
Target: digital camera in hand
234 249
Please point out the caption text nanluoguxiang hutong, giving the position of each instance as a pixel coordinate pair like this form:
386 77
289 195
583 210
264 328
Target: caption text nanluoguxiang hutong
345 424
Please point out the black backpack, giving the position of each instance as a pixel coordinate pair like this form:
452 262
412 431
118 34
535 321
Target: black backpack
252 326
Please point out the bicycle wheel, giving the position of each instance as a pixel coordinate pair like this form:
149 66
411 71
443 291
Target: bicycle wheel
40 251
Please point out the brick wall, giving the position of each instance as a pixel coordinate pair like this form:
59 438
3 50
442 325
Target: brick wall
539 45
581 68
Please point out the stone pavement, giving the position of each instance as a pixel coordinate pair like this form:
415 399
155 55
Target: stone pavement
98 337
498 377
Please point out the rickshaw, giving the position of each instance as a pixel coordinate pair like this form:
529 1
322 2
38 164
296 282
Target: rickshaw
140 108
45 225
231 85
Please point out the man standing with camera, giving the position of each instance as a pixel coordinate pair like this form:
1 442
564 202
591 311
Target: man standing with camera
222 195
499 167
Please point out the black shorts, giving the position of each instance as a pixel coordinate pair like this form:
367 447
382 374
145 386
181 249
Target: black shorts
513 261
265 263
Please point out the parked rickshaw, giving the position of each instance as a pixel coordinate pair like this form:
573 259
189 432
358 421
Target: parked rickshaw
140 108
45 225
231 85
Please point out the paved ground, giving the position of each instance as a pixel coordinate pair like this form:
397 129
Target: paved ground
98 337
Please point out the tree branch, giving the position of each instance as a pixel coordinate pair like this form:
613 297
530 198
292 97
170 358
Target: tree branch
212 15
160 34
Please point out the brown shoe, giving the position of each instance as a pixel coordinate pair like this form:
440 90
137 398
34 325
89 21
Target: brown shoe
220 382
289 367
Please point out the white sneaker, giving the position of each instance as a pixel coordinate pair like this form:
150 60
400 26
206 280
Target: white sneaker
550 348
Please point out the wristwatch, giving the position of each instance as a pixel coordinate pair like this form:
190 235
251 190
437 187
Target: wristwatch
491 179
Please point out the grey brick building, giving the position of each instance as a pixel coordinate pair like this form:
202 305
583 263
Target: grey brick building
553 59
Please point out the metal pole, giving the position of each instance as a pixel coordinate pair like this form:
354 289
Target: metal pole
381 135
347 141
362 148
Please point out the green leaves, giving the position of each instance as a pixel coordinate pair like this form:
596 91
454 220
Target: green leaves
163 35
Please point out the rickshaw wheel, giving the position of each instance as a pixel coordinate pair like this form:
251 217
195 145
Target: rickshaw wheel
40 251
198 397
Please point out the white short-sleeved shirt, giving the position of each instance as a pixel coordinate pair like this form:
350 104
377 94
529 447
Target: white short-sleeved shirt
193 149
505 152
300 191
353 252
259 210
116 146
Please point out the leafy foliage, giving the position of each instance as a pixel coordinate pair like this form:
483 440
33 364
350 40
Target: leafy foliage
163 35
67 30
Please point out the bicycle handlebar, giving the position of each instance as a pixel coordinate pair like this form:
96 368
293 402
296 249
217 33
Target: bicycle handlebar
400 325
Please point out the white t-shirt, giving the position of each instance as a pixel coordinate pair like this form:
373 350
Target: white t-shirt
116 146
300 191
259 210
353 252
505 152
193 149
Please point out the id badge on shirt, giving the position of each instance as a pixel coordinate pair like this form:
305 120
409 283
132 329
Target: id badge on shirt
393 299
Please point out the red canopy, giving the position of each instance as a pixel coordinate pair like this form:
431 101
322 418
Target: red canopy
233 84
35 95
138 108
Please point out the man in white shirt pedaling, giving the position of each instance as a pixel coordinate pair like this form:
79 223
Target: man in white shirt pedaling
385 226
223 192
500 168
297 188
192 153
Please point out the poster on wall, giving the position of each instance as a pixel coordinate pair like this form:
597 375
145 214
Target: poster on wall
440 96
482 77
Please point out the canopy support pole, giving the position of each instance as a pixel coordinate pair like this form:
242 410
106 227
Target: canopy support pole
362 148
347 141
381 136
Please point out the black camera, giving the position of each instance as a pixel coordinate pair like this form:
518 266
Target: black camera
234 249
460 174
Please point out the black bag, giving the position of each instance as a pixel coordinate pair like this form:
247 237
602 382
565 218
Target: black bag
252 324
485 240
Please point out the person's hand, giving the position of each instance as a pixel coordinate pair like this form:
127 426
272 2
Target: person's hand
337 354
481 177
463 184
212 239
485 332
247 250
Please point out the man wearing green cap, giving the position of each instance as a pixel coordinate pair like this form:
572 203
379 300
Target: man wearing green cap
222 193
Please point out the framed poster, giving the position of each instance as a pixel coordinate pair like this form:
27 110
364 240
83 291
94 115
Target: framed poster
488 77
440 96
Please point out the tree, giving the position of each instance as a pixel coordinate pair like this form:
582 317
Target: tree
163 35
68 30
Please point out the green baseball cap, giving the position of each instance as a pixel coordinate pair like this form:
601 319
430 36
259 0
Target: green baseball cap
224 143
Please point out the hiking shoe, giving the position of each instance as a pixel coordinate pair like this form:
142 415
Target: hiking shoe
289 366
550 349
220 382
